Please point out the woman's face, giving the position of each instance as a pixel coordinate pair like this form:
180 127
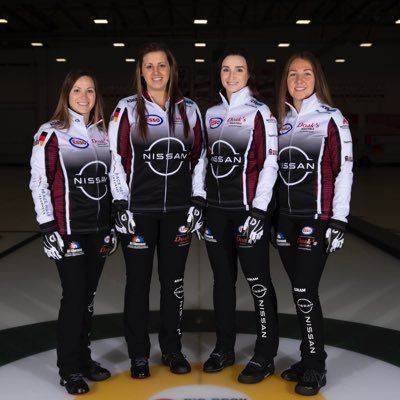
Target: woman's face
156 71
300 81
234 74
82 96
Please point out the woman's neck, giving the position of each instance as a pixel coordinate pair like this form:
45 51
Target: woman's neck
159 97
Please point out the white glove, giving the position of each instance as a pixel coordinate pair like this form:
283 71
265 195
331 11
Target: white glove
254 225
334 239
53 245
124 222
194 220
113 242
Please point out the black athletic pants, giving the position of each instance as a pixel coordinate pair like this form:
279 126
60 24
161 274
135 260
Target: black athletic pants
79 271
166 232
225 243
302 247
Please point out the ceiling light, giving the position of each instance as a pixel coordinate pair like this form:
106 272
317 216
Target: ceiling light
365 44
61 59
200 21
270 60
397 21
283 44
100 21
119 44
340 60
36 44
303 21
199 60
200 45
130 60
3 21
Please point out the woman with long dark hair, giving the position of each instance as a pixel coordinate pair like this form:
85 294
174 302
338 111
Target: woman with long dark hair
314 187
241 173
70 188
158 196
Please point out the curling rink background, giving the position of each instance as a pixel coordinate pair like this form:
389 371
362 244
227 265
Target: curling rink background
360 295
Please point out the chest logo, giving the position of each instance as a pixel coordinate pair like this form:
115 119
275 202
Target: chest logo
92 180
215 122
165 156
224 159
79 143
153 120
285 129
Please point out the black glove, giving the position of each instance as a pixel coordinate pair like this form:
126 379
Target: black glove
124 222
254 225
334 235
53 245
195 215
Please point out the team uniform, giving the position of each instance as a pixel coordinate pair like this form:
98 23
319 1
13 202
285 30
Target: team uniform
157 177
70 190
314 186
241 172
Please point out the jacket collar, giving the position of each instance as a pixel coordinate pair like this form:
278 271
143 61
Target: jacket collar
78 119
308 105
237 98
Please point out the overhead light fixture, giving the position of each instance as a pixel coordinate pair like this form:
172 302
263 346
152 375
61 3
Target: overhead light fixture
100 21
365 44
119 44
303 21
283 44
200 45
200 21
397 21
340 60
36 44
270 60
3 21
130 60
61 59
199 60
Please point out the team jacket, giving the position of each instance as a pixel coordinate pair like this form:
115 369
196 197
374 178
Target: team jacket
242 153
69 177
163 172
315 162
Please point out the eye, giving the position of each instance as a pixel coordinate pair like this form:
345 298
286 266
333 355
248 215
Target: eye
225 69
240 69
91 91
163 65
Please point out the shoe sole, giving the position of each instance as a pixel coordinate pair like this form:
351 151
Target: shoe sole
63 384
308 392
211 371
247 379
177 372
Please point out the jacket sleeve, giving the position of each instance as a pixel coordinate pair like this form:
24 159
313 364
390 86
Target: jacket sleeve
43 160
198 158
121 152
341 154
266 136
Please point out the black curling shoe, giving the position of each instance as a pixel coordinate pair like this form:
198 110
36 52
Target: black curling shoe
140 368
74 384
310 382
293 374
177 363
256 370
95 372
218 360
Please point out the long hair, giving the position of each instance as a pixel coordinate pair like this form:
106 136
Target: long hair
321 85
173 92
61 114
251 83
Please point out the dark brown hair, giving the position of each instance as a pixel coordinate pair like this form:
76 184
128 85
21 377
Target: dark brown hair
321 85
61 113
251 83
173 92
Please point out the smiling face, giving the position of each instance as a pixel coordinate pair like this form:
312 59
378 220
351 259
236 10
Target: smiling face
82 97
156 71
234 74
300 81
